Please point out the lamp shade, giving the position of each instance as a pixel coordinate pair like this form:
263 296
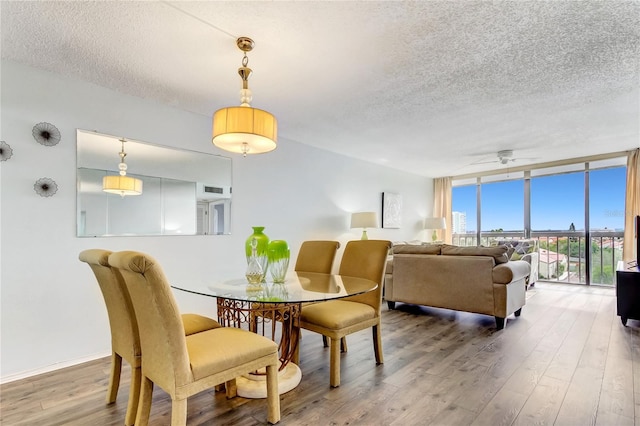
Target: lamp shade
364 220
435 223
244 130
122 185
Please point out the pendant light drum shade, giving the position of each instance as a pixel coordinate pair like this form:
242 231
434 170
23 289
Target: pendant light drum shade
122 185
244 129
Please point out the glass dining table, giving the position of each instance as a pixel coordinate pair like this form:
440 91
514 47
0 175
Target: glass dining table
273 310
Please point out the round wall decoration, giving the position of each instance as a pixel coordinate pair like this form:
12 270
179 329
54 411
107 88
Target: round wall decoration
5 151
45 187
46 134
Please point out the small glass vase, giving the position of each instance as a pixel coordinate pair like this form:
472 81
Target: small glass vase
278 255
261 249
255 273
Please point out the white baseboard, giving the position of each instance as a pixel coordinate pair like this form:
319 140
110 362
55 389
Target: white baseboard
53 367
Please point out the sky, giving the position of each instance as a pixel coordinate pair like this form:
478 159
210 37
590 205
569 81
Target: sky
556 202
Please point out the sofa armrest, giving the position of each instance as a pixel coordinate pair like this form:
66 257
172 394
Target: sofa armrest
514 270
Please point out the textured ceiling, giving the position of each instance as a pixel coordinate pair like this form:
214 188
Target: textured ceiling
428 87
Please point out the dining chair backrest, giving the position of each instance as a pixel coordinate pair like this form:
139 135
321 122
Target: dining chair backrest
122 320
165 361
316 256
366 259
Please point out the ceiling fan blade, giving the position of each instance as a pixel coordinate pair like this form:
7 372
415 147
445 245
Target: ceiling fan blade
484 162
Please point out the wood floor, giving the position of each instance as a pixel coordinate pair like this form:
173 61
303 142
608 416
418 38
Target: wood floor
566 361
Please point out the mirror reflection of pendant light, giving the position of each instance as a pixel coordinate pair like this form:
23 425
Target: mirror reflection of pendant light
122 184
244 129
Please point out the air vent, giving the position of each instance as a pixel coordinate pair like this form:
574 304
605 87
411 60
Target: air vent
213 190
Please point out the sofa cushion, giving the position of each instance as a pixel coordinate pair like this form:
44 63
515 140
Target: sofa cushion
405 243
498 253
412 249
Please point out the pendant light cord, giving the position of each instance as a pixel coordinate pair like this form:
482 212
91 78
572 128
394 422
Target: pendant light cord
199 19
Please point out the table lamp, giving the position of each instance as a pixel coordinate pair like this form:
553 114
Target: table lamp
435 223
364 220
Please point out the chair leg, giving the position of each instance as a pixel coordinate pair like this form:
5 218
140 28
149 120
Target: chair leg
114 378
179 412
377 344
273 397
231 388
334 363
134 396
144 405
343 343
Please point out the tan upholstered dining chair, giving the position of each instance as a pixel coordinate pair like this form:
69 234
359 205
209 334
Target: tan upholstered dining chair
316 256
313 256
338 318
185 365
125 340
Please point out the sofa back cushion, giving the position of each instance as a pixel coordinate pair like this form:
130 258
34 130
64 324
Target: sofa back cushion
499 253
414 249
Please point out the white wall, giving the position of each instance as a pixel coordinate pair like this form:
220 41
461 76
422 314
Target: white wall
53 314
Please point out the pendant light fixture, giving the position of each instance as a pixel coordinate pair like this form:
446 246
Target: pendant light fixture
244 129
122 184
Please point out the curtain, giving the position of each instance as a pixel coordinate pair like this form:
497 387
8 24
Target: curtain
631 204
442 206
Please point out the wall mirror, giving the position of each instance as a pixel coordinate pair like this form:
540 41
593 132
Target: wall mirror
183 192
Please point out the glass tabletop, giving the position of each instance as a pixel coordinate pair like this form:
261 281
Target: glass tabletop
298 287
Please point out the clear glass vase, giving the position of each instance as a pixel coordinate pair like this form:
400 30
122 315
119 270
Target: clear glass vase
261 248
255 273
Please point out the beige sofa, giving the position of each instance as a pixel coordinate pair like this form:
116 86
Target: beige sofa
473 279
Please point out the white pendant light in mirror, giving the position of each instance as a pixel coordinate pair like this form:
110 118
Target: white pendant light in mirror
244 129
122 184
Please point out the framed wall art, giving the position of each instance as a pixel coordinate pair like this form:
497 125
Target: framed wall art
391 210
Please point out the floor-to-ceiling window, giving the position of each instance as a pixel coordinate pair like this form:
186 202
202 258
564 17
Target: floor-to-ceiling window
574 211
500 210
606 221
558 219
465 210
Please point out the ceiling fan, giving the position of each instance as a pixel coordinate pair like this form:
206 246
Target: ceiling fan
505 156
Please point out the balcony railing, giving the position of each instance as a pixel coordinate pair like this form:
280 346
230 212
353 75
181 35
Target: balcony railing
565 256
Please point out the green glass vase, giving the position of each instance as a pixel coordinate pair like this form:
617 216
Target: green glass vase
261 249
278 254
